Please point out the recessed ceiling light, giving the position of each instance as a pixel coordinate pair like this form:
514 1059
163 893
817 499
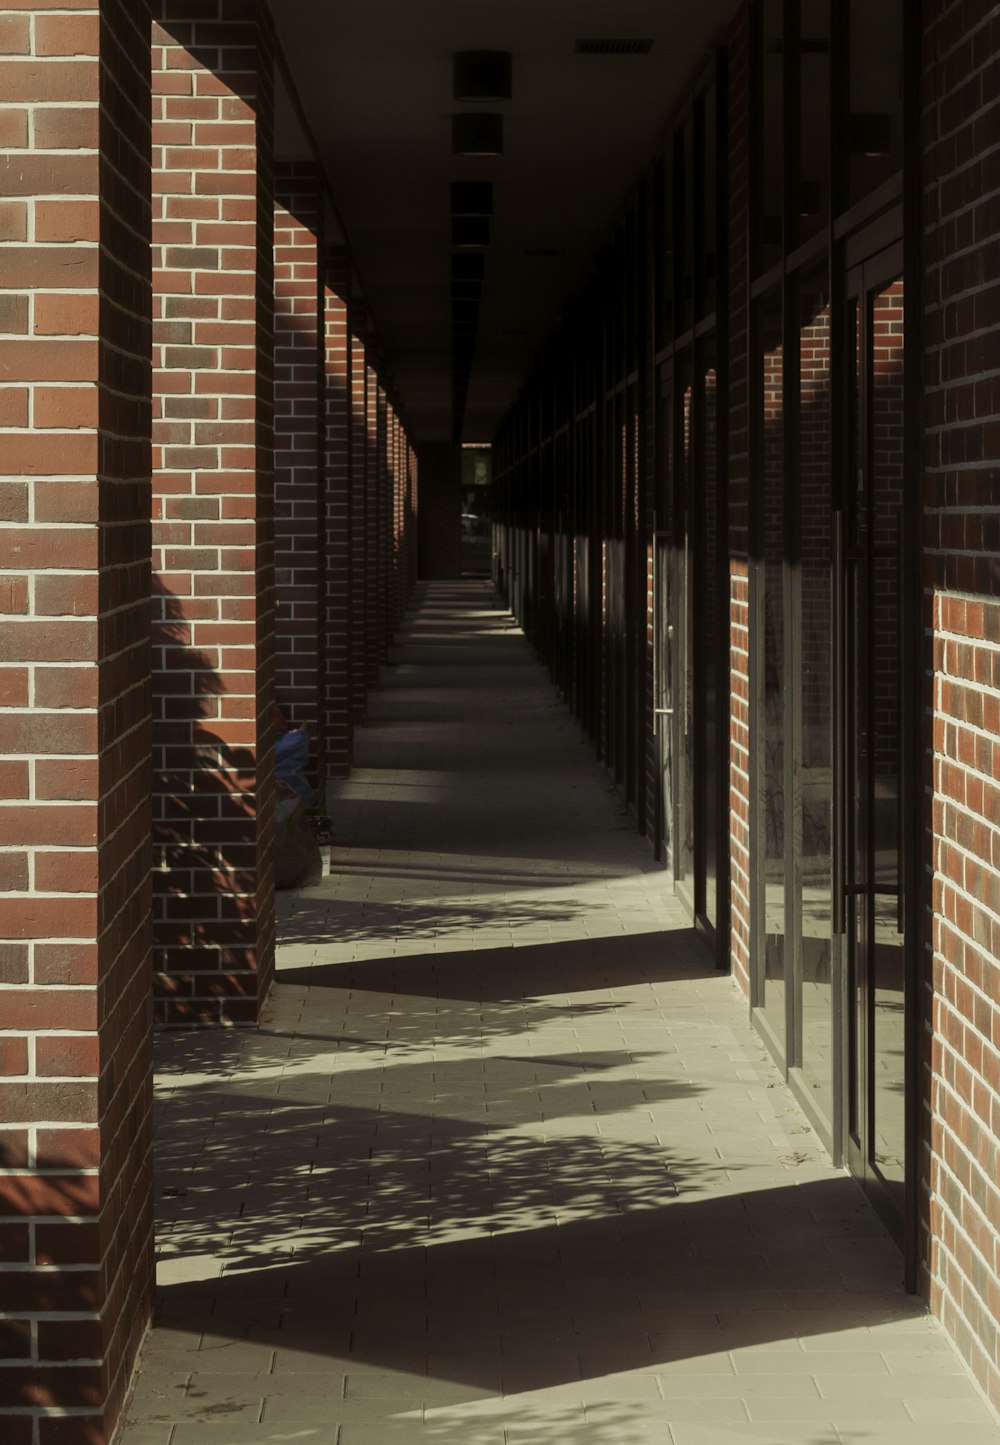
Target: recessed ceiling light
472 198
870 134
472 231
468 268
482 75
477 133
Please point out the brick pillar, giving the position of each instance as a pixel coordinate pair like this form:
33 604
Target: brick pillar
213 508
75 1019
960 411
373 503
395 519
359 512
412 505
339 610
383 482
299 437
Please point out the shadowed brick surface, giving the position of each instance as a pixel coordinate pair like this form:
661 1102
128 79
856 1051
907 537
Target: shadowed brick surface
213 232
504 1161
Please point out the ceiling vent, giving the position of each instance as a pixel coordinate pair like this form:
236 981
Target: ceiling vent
612 47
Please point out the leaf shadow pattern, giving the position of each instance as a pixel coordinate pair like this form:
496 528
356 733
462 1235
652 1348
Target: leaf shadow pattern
498 1243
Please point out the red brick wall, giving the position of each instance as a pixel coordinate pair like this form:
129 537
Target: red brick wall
360 619
961 489
383 544
300 426
738 464
339 561
75 1197
396 515
373 526
213 509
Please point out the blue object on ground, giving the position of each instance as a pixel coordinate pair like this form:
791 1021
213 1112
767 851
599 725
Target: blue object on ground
291 756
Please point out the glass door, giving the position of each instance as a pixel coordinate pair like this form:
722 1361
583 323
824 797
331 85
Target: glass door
686 602
869 890
664 631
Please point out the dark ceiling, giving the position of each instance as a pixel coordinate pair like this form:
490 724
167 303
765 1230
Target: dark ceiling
374 84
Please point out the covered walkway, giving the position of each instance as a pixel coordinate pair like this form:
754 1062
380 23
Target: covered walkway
504 1161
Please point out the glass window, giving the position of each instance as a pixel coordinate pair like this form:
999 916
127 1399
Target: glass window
709 620
875 118
708 168
814 118
685 183
771 522
815 642
771 136
664 223
688 600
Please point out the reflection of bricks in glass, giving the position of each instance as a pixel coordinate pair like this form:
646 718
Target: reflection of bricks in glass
814 484
960 407
887 432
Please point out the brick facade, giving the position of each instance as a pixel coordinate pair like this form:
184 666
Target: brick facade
360 458
75 1059
137 339
300 460
213 541
339 571
374 521
961 537
85 903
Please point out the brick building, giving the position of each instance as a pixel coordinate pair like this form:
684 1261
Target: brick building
746 505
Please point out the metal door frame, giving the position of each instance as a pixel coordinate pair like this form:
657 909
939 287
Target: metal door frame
863 280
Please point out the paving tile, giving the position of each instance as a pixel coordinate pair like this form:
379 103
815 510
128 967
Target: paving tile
221 1433
505 1162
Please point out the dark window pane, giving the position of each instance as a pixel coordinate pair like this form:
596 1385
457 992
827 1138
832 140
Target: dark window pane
875 120
771 811
814 118
686 271
816 642
771 140
709 171
709 606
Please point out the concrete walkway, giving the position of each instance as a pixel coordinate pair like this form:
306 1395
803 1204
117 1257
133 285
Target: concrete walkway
505 1162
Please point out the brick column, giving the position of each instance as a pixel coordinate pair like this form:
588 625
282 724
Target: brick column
412 530
373 505
383 482
339 608
75 1021
213 508
395 519
960 1191
359 512
299 427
